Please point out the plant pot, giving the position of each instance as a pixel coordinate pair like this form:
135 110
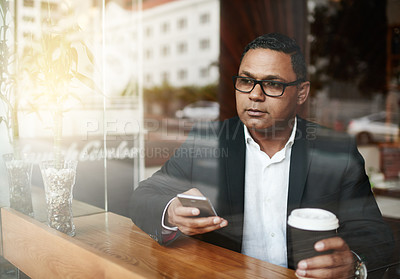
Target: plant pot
19 172
59 180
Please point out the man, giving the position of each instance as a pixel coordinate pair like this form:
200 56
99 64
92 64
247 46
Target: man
257 167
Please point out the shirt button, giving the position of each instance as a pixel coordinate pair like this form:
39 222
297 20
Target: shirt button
272 234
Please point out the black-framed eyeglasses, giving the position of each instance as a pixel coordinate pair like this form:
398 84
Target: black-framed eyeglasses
270 88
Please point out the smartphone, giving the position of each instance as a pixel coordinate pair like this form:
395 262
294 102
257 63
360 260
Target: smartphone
202 203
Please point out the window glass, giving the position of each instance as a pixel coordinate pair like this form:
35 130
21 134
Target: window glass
182 48
165 50
72 92
117 86
204 18
204 44
182 23
165 27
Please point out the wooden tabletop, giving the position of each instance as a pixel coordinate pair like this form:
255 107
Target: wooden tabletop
39 204
107 245
40 209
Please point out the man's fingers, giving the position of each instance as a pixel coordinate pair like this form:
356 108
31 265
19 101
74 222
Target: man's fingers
336 273
193 231
334 243
337 264
185 217
176 210
201 225
200 222
186 211
327 261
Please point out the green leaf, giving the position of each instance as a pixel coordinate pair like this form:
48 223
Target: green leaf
86 80
74 55
89 54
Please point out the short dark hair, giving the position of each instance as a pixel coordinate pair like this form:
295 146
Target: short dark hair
282 43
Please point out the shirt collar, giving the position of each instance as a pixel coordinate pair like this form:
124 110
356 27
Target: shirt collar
249 138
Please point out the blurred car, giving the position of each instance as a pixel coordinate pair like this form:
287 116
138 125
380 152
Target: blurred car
200 110
373 128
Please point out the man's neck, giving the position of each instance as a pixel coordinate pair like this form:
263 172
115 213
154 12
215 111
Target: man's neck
272 140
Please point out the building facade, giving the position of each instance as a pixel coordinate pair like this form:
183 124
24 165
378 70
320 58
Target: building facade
181 43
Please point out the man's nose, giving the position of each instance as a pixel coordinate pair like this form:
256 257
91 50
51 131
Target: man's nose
257 94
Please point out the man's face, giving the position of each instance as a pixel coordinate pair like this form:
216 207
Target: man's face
263 113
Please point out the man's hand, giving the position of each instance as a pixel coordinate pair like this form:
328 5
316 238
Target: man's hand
182 217
339 264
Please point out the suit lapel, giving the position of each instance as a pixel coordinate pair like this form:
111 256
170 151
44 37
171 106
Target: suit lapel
235 164
299 166
232 177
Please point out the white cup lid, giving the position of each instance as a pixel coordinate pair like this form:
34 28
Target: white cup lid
313 219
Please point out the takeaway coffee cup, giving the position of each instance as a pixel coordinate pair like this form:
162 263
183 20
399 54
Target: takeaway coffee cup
307 226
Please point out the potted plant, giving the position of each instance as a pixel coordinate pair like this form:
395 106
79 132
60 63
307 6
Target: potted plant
19 168
53 69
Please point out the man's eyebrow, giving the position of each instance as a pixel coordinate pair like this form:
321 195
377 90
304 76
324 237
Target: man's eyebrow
246 73
268 77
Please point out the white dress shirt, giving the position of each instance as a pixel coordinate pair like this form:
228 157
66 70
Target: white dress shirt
265 201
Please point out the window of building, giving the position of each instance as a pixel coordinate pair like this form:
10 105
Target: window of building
28 19
204 18
165 27
148 31
204 44
165 76
182 23
182 74
148 78
148 54
29 3
204 72
165 51
28 35
182 47
48 6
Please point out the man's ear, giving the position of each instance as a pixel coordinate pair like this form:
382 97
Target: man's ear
302 92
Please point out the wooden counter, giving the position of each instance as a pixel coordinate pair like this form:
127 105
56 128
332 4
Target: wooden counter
107 245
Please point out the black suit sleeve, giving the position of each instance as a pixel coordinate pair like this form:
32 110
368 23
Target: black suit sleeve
150 198
361 223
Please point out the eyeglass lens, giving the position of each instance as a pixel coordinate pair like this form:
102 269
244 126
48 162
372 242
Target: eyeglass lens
270 87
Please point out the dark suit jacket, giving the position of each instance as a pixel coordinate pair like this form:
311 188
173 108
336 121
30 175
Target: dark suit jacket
326 171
